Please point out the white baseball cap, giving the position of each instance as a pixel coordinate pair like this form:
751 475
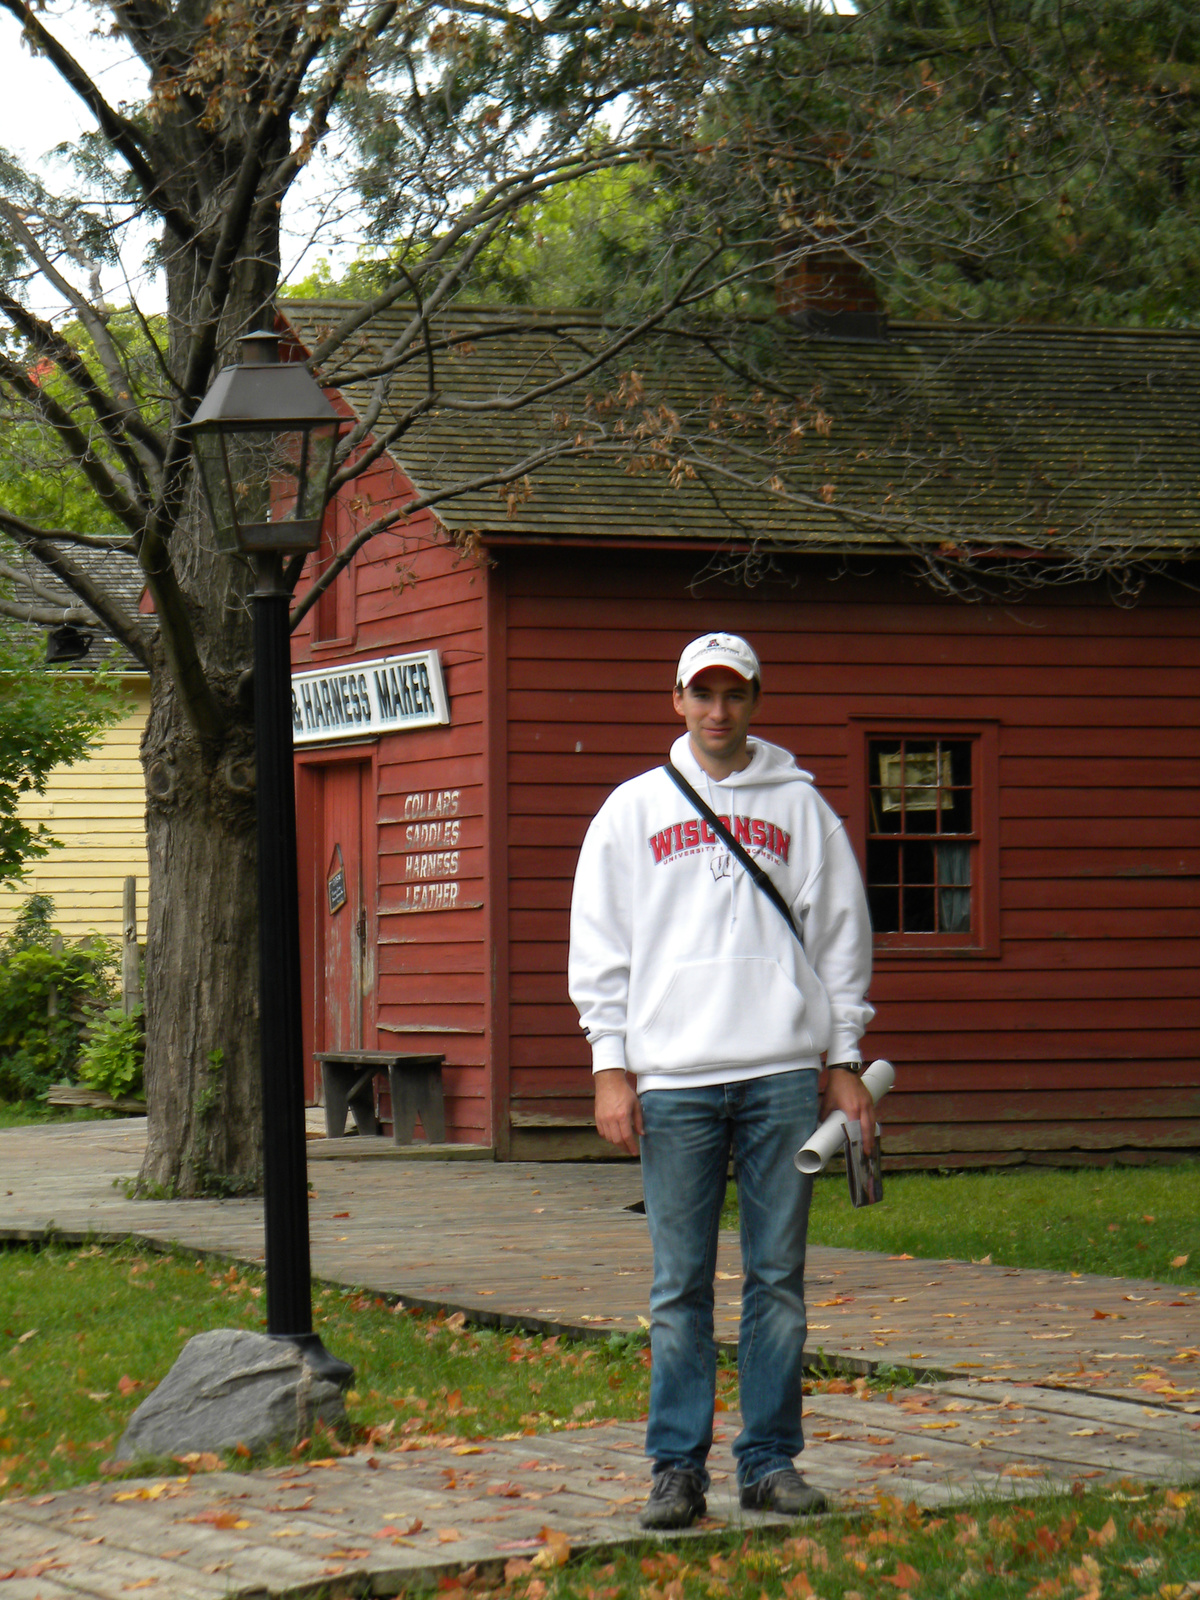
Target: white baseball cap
718 650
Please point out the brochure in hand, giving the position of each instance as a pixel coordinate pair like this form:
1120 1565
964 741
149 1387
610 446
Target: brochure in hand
863 1173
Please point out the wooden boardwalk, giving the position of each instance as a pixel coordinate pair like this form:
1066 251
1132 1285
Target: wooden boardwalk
1038 1390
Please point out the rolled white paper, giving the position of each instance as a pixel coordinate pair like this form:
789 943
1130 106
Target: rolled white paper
829 1138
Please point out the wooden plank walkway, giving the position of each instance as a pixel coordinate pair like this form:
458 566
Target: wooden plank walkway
1047 1393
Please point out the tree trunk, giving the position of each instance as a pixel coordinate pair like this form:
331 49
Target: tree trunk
202 1061
203 1088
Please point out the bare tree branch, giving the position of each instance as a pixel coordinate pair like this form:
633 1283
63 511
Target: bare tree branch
119 420
48 616
95 596
123 135
106 484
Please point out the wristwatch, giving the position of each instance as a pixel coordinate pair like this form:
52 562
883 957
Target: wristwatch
856 1067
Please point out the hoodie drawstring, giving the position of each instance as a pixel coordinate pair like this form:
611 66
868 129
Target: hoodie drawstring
715 801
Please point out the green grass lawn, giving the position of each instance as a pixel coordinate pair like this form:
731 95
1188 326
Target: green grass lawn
85 1334
1125 1221
1100 1545
27 1113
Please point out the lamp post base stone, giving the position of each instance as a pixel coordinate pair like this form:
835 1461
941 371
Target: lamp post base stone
235 1387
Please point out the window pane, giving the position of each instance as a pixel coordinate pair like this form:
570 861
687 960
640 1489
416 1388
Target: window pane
953 863
918 863
883 861
956 811
883 821
954 910
885 909
960 760
919 910
877 748
921 819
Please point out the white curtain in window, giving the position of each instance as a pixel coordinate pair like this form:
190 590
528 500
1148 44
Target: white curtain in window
954 887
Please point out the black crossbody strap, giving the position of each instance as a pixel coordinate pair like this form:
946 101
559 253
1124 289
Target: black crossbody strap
762 879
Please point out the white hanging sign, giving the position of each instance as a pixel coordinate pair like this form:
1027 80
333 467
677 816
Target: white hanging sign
362 699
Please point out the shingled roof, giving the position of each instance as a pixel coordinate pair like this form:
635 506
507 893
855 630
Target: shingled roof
120 575
944 435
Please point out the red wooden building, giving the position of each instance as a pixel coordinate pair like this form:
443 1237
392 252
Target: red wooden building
1019 775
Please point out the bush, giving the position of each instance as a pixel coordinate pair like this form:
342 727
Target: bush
111 1060
48 994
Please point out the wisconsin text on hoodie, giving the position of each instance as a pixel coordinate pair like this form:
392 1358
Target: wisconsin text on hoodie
694 834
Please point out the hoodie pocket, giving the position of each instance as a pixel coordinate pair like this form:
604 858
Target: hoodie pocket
743 1012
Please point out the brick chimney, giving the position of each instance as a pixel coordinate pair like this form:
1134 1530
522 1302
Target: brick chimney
825 292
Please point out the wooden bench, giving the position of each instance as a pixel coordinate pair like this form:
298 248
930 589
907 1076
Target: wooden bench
414 1082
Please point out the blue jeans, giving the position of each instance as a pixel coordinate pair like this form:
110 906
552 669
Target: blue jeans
688 1139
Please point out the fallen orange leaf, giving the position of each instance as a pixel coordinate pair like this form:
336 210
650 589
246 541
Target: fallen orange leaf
798 1588
904 1577
557 1550
1179 1261
220 1519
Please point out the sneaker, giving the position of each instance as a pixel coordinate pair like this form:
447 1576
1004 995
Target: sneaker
786 1492
676 1500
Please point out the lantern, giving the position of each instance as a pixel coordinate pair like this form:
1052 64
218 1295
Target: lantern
264 439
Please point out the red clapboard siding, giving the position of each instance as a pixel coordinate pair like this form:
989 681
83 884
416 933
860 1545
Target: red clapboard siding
430 966
1082 1031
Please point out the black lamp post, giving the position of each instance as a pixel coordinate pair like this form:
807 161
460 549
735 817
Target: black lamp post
264 438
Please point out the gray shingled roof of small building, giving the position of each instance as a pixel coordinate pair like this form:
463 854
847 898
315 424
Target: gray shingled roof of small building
120 575
994 436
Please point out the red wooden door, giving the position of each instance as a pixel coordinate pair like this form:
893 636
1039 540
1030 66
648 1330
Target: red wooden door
344 917
337 869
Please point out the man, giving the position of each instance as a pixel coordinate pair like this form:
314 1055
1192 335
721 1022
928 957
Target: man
686 976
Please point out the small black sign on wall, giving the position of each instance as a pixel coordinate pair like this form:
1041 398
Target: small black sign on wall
336 883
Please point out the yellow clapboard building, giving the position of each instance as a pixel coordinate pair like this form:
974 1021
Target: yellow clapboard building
96 809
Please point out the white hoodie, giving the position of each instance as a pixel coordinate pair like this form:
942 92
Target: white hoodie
681 969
